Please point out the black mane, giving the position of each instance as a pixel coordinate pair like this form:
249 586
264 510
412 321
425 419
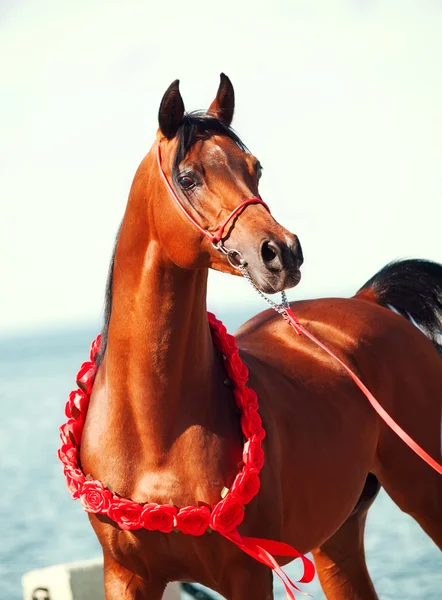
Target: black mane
195 125
107 305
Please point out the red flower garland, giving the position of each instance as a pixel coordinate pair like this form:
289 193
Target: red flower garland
225 516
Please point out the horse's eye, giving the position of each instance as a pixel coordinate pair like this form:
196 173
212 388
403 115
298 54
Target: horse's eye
186 182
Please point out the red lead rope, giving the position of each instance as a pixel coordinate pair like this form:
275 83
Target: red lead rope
293 321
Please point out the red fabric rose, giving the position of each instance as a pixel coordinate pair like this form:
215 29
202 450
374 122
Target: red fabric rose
77 404
216 326
192 520
253 454
158 517
86 376
94 497
236 369
68 455
230 344
246 486
64 434
241 396
227 515
245 398
223 341
75 480
251 423
213 321
126 513
95 347
71 431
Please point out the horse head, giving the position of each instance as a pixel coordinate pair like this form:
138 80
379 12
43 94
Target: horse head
214 181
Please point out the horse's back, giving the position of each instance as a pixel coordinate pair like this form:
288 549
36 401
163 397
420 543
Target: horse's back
398 363
356 329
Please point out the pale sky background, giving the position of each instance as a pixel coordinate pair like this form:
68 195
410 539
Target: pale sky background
340 100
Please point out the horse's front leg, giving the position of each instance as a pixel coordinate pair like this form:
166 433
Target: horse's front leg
251 581
122 584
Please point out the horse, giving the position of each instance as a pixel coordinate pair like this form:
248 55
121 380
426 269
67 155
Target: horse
162 426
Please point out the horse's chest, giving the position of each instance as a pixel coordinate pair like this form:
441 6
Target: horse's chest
196 473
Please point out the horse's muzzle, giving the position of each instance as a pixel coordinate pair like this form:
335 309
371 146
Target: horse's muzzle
277 266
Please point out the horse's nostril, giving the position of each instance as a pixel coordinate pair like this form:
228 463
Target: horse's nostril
278 255
268 253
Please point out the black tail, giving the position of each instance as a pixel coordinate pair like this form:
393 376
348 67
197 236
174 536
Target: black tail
414 289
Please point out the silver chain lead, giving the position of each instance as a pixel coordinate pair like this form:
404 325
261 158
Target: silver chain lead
237 262
279 308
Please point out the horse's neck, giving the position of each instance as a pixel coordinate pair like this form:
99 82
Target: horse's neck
159 405
160 358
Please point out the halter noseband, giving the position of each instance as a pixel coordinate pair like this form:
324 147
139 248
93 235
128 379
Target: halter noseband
233 256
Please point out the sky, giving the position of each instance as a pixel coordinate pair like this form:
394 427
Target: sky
341 101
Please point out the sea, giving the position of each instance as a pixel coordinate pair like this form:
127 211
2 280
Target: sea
41 526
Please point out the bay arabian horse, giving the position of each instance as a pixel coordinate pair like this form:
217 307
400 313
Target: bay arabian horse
162 426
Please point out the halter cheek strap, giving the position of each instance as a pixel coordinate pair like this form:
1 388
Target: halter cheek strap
214 238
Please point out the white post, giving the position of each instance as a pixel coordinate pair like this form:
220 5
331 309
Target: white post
81 580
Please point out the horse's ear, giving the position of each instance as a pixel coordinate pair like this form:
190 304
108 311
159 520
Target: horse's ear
171 110
224 104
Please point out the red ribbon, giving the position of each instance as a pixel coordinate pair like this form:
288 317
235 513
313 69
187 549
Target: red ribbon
294 322
264 551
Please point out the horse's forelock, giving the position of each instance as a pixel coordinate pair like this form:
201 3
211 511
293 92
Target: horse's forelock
193 126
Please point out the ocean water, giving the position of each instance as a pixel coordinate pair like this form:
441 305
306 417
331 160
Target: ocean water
40 525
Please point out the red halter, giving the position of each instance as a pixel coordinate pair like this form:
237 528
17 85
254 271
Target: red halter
214 238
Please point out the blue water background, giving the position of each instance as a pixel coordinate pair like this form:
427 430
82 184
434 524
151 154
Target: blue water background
41 525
